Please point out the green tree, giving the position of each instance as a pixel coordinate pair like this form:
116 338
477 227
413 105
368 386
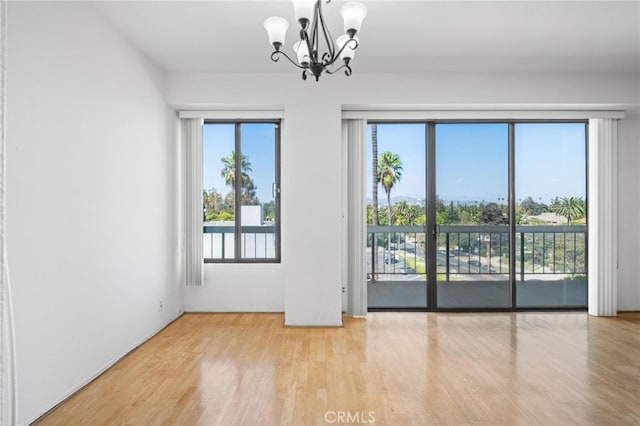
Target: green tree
493 213
403 214
228 172
389 174
225 216
447 214
470 214
570 207
269 211
212 203
230 202
453 215
532 208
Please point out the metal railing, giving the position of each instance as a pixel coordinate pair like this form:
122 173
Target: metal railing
257 241
479 249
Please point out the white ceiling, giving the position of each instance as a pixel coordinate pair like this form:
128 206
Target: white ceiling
397 36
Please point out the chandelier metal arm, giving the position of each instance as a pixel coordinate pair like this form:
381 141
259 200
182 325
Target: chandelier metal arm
275 58
312 39
310 47
327 37
347 70
344 46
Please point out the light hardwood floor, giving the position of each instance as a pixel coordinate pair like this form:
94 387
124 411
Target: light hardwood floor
391 369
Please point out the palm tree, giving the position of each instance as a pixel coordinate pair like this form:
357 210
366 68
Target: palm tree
389 174
228 172
403 213
570 207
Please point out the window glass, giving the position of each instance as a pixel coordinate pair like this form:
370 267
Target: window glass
240 191
550 183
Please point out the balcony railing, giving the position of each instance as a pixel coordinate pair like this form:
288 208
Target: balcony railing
464 250
257 242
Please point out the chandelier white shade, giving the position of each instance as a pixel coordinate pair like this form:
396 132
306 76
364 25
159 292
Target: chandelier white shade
313 30
353 13
303 9
276 28
302 52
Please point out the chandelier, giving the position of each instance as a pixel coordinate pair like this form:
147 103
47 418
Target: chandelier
313 30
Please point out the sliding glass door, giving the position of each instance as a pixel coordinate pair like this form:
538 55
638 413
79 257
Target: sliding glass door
486 215
472 216
551 236
396 219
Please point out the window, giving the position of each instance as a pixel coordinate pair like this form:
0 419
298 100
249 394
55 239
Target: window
477 214
241 191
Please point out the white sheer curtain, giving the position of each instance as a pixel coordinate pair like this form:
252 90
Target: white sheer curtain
192 141
8 385
603 216
354 134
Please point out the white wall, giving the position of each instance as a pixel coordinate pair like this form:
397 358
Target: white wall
629 208
311 204
92 212
306 285
238 288
310 273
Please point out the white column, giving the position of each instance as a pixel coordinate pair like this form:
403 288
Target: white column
312 212
192 140
8 386
603 217
355 135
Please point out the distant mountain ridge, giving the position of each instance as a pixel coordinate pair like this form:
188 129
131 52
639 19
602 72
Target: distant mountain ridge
382 201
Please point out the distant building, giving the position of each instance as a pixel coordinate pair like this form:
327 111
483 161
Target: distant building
550 218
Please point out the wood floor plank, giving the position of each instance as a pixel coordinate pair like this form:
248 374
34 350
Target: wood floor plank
390 369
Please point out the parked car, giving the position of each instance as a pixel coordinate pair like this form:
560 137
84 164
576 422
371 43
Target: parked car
488 268
390 259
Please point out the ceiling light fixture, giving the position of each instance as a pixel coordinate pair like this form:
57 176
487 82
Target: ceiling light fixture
307 50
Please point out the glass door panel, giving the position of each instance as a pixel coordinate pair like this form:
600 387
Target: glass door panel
396 219
259 186
219 208
550 183
472 216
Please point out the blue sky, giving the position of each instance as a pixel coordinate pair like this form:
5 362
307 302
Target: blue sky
406 141
551 161
471 160
258 145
